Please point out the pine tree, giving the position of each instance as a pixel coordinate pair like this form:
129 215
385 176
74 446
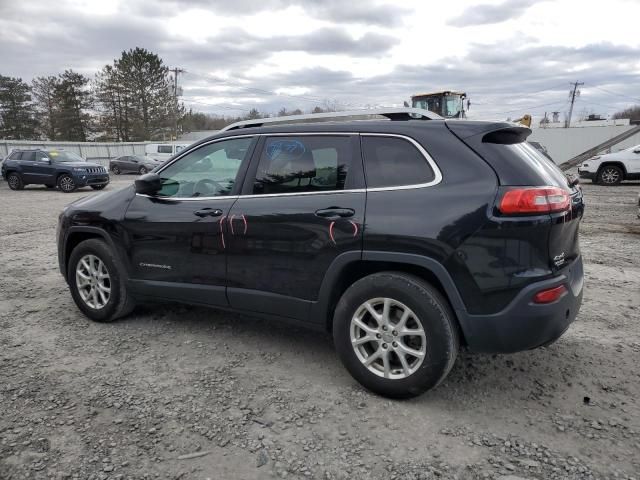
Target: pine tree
73 97
43 90
17 121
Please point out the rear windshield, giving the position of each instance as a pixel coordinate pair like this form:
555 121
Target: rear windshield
521 164
61 156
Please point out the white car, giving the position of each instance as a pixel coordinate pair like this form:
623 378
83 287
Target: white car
612 168
163 151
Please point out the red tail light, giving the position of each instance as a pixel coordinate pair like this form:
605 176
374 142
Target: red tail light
550 295
534 200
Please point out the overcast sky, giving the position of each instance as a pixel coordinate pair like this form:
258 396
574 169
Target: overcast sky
511 56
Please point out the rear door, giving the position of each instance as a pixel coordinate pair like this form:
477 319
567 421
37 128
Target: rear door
28 165
302 206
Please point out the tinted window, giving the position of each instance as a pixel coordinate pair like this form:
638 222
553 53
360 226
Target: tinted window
15 155
394 162
41 157
165 149
208 171
303 164
29 156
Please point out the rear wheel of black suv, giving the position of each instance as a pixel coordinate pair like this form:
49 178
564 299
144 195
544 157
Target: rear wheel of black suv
97 283
15 181
395 334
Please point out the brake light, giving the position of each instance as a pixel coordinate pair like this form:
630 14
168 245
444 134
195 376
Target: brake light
534 200
550 295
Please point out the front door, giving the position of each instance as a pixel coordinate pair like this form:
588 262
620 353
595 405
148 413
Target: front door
302 205
177 237
44 169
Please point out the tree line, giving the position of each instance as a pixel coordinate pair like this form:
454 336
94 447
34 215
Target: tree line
131 99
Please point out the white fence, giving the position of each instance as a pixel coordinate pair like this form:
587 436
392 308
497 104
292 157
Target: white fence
96 152
565 143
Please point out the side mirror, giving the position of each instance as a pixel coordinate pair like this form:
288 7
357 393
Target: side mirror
148 184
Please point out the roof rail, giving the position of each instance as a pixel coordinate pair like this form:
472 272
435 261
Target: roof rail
404 113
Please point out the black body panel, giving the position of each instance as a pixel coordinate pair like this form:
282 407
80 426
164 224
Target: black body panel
275 255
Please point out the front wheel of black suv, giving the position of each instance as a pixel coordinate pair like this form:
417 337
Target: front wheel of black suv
395 334
66 183
15 181
97 283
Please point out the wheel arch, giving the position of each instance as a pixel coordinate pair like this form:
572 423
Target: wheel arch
613 163
347 269
75 236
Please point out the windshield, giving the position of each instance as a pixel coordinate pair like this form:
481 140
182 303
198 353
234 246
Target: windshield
449 106
62 156
432 104
452 106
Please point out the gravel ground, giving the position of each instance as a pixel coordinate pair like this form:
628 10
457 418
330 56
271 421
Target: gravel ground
180 393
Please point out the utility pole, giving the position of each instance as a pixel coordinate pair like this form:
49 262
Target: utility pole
574 93
176 71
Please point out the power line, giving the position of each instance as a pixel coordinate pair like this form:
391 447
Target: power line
616 94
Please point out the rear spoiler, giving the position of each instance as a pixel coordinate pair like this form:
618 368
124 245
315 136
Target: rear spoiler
503 133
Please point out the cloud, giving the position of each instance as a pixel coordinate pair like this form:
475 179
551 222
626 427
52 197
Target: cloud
487 14
336 11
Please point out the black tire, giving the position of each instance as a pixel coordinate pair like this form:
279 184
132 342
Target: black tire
115 169
120 302
143 170
66 183
98 187
610 175
15 181
430 308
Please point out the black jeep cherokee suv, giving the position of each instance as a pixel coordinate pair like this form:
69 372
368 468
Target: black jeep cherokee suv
404 238
52 168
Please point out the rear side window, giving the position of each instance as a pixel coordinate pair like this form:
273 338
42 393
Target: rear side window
29 156
165 149
15 155
394 162
300 164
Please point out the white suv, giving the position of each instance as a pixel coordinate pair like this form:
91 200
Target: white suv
612 168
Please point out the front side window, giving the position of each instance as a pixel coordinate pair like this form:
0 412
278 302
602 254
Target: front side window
41 157
394 162
165 149
300 164
209 171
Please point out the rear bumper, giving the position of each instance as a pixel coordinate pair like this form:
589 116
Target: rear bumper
524 325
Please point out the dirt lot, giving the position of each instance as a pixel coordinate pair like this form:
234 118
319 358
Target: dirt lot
246 398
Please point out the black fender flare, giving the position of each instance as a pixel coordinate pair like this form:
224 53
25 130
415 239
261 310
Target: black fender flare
320 309
96 231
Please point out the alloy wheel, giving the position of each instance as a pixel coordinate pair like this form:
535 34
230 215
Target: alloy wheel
388 338
14 181
610 175
93 281
67 184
